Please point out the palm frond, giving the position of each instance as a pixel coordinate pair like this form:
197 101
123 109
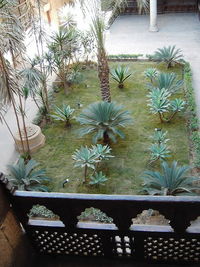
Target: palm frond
103 118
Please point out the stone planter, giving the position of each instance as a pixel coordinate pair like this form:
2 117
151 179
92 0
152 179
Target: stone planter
35 137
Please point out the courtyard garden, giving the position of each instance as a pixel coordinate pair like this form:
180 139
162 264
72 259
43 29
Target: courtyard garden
131 155
113 124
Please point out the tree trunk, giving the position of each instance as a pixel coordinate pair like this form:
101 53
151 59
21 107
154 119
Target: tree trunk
22 111
160 116
106 139
11 97
67 124
169 65
85 174
172 116
103 74
121 85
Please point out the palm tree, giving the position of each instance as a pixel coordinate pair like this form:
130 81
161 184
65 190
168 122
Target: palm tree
92 8
26 177
173 180
104 120
32 79
38 32
98 27
11 40
169 55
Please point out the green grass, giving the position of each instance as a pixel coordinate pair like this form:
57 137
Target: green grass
131 154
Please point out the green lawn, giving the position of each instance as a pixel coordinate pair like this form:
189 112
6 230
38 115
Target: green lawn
131 154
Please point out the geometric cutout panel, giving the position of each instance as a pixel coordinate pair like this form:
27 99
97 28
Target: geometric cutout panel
68 244
172 249
123 246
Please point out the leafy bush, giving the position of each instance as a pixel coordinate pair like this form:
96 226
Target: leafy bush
26 177
63 114
104 119
94 215
173 180
98 179
169 55
120 74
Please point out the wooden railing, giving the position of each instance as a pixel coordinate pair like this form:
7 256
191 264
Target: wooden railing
177 242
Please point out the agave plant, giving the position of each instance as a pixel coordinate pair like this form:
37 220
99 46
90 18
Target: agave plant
103 152
160 136
63 114
169 55
98 179
159 152
85 158
176 106
174 180
151 74
168 81
104 120
159 102
120 74
26 177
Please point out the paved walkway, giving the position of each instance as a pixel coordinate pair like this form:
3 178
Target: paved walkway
129 34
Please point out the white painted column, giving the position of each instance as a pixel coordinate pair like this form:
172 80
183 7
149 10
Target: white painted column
153 16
